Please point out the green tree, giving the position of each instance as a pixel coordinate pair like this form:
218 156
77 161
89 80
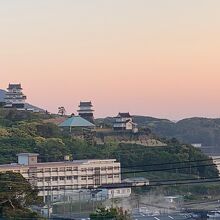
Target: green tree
112 213
16 195
61 111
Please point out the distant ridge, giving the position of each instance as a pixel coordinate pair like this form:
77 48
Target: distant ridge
27 105
2 95
197 130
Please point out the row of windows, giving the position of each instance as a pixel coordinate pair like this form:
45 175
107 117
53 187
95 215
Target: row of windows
63 178
62 169
67 187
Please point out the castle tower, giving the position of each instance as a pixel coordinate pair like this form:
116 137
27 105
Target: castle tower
14 97
86 111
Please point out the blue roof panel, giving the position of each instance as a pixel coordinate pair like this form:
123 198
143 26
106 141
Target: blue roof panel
76 121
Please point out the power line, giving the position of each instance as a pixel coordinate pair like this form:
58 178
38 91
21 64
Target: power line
123 185
120 173
172 163
135 166
129 172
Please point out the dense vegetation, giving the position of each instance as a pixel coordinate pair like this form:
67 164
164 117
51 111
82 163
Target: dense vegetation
111 214
27 132
192 130
22 131
16 195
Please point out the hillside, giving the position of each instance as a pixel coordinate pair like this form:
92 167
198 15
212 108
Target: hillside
192 130
2 95
22 131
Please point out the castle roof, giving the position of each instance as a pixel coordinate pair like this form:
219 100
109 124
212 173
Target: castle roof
85 104
76 121
14 86
124 115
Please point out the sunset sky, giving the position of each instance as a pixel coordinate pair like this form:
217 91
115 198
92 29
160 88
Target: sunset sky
158 58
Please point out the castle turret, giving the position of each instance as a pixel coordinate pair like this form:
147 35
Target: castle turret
86 111
14 97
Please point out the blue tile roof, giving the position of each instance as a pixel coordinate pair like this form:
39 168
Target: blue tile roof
76 121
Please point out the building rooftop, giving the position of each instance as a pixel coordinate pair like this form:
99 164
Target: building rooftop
14 86
55 164
28 154
76 121
85 104
116 185
136 179
124 115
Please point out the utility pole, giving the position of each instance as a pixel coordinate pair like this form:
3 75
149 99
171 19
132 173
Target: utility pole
71 206
48 201
80 202
112 192
64 204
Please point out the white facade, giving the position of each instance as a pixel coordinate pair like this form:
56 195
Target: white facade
124 122
14 96
68 175
85 108
119 193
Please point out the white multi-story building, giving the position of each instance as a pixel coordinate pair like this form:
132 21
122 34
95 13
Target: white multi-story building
14 97
124 122
57 177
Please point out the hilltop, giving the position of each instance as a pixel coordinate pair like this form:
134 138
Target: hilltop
192 130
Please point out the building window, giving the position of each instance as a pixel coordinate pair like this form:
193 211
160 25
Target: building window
54 169
103 176
47 179
54 178
83 178
40 170
17 171
47 170
83 170
62 169
62 187
40 180
110 168
75 177
75 168
116 176
69 177
62 178
90 177
110 176
116 168
69 169
103 168
90 169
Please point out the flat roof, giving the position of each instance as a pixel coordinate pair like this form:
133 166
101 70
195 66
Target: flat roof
62 163
27 154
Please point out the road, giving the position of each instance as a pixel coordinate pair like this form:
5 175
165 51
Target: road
141 216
